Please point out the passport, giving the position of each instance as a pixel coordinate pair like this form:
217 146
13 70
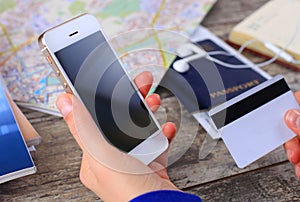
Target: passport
208 84
234 80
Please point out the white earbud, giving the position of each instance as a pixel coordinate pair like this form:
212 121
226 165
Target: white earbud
186 51
181 66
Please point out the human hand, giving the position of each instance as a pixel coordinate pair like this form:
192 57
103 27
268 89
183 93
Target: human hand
105 176
292 147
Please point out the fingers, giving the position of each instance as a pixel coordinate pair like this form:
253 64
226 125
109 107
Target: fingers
153 102
292 148
169 129
297 170
64 104
144 82
292 120
297 96
160 164
160 169
79 121
90 139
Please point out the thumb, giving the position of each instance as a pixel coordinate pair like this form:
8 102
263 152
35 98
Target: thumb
64 104
84 129
77 117
111 169
292 120
90 139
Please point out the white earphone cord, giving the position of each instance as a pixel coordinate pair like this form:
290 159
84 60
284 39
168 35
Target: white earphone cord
279 52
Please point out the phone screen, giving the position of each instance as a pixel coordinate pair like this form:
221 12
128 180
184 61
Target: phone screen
119 112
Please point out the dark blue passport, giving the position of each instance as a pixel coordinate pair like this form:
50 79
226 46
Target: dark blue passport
207 84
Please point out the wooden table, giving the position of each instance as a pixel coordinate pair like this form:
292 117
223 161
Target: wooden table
214 178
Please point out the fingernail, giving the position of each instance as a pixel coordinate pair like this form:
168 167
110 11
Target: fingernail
154 108
64 104
156 96
293 117
170 126
289 154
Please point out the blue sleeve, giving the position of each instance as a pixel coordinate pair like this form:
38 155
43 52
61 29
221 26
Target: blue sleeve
165 196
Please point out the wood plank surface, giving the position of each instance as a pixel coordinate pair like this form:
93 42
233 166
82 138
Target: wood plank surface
276 183
214 178
58 162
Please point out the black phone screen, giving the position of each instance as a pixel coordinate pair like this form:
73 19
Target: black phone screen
110 97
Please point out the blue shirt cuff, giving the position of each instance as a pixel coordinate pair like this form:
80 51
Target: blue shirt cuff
166 195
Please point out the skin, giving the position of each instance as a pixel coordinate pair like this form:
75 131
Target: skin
292 147
107 182
97 176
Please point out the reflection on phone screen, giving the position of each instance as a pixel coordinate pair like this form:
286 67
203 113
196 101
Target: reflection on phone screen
119 111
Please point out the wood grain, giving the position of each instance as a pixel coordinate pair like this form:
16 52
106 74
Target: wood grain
58 162
214 178
276 183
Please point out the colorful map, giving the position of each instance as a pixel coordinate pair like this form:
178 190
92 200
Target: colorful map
143 33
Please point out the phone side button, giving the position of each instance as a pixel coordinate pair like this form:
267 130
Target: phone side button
57 73
65 85
49 58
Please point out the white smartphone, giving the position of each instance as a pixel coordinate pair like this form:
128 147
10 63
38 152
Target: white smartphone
88 67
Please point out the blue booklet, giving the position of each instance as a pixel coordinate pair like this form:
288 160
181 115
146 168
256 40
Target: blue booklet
206 84
15 159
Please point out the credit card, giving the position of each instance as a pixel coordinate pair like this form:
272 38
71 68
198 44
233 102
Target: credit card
252 124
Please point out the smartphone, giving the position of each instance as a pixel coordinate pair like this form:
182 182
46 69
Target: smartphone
87 66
